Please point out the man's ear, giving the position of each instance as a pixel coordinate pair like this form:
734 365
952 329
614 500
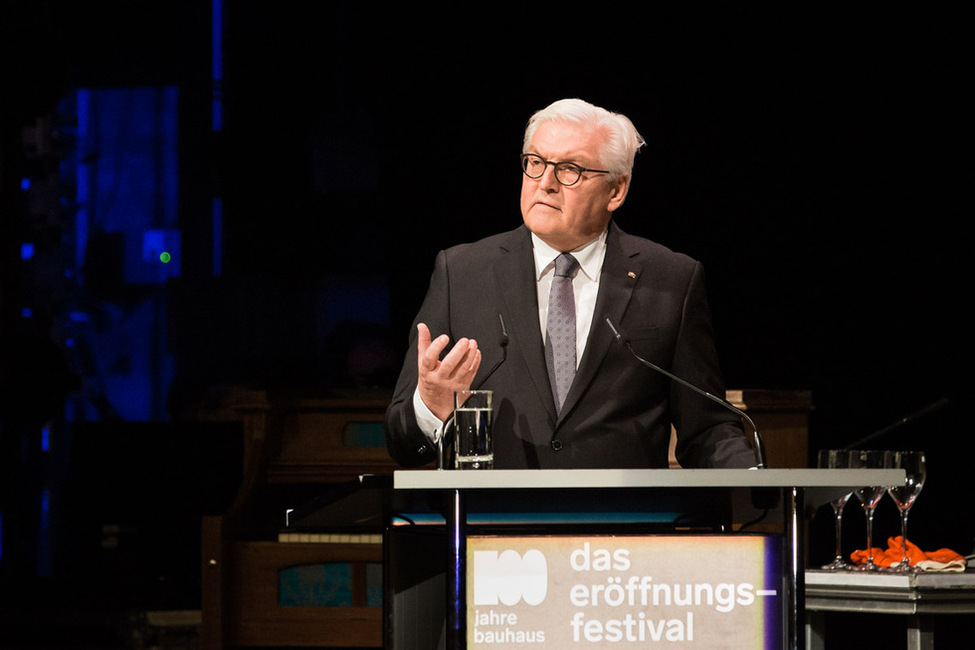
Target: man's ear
618 195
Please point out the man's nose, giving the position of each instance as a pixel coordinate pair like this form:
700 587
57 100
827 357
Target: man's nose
548 180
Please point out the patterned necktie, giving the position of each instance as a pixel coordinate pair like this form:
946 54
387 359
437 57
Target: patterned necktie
560 340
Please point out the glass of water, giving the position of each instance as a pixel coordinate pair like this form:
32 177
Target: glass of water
473 447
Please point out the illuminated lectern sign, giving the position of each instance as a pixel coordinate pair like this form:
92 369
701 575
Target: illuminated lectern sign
690 591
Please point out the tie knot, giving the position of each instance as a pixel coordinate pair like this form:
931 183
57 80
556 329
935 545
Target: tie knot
565 265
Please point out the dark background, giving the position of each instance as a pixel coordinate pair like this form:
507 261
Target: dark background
815 159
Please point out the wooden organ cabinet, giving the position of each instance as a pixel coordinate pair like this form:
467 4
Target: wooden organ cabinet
294 450
265 586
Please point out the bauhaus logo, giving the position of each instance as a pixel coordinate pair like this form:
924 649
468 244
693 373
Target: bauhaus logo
508 577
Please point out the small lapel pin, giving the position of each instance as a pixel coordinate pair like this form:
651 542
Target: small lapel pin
631 274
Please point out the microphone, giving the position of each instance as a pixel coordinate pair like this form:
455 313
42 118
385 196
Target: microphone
759 447
503 342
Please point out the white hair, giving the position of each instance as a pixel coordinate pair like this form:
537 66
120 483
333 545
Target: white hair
622 139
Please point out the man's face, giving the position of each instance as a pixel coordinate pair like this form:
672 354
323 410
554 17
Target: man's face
568 217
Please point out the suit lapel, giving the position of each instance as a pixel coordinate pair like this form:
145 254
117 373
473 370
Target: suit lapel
514 273
621 269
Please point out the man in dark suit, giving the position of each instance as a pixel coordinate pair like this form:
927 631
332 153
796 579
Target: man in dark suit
494 298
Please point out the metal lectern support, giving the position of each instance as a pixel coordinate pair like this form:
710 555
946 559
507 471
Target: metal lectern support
456 572
795 530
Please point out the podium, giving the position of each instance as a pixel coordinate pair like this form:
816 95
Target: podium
596 558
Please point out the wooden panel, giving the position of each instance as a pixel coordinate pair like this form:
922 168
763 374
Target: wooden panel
259 619
314 447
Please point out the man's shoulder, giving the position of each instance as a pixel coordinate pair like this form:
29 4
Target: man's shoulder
492 244
649 250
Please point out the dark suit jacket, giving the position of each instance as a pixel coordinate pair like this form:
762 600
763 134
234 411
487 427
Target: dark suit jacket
618 412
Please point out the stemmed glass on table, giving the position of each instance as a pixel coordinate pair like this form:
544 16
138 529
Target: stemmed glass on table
869 497
836 459
915 468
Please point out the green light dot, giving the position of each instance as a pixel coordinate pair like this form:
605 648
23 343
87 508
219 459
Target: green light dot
165 257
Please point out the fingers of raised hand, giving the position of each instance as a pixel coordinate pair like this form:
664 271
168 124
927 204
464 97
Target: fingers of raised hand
459 361
428 351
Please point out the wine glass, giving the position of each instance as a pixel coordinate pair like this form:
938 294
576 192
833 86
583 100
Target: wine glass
915 468
869 496
836 459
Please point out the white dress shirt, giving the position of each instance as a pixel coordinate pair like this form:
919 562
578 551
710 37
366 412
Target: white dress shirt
585 284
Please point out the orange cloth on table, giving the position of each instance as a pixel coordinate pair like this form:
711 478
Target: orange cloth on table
943 559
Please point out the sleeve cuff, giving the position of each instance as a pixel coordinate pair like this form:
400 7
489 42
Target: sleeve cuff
429 424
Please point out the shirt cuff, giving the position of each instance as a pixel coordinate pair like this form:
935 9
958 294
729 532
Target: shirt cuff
429 424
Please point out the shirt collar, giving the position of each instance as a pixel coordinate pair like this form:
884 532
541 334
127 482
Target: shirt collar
589 256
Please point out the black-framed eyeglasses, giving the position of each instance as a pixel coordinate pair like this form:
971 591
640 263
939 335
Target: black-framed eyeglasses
566 173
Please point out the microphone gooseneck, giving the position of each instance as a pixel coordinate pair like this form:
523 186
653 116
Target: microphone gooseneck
759 447
503 344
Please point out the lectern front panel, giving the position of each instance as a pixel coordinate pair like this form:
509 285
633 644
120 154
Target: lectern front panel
625 591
